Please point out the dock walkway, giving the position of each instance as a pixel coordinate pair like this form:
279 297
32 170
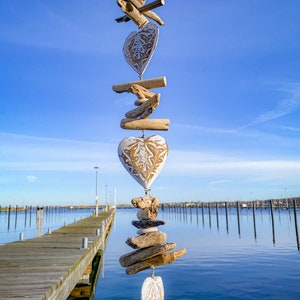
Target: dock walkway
50 266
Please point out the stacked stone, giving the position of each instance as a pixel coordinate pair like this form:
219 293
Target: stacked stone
152 248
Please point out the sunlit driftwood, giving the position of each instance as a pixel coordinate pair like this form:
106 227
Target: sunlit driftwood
148 84
145 109
133 13
143 254
145 9
145 124
147 240
145 202
155 261
149 213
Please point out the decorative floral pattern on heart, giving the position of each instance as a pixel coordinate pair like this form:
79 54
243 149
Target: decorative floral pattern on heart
143 158
140 46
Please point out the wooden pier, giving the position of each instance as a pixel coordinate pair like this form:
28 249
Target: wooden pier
49 267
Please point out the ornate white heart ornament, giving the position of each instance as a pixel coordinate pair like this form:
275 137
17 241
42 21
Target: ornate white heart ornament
139 47
143 158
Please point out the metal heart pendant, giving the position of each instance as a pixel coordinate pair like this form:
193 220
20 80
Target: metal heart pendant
143 158
140 46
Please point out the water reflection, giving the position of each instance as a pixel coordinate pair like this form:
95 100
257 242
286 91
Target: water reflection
237 217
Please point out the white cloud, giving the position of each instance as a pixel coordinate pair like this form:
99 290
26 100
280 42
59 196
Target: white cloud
204 165
20 152
31 178
284 107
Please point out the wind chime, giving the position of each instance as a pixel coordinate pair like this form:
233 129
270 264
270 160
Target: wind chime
144 157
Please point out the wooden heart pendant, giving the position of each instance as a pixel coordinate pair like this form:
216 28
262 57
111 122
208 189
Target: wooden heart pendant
139 47
143 158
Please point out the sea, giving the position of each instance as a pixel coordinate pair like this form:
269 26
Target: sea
231 254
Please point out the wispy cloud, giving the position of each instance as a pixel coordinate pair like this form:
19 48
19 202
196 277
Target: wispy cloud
284 107
205 129
290 128
21 152
207 165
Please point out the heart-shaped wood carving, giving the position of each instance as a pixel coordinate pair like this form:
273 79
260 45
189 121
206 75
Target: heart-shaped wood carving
139 47
143 158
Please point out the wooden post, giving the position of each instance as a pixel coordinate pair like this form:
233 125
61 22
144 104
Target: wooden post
8 224
226 210
203 214
296 223
238 216
25 219
16 217
209 215
254 218
197 213
217 215
272 217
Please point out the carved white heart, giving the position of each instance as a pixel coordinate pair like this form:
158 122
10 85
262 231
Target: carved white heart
143 158
140 46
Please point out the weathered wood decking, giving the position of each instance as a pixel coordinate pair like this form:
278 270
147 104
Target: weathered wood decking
49 267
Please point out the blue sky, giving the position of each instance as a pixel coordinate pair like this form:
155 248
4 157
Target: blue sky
232 95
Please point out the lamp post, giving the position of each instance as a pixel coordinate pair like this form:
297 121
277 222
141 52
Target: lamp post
97 205
106 197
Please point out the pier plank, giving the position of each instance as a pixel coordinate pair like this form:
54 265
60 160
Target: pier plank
50 266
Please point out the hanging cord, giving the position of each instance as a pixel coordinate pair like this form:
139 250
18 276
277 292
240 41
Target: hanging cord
152 271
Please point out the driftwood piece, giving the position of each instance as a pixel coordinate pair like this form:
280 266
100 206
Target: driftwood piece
145 202
141 92
147 240
143 254
144 110
159 260
148 84
147 230
147 223
143 9
133 13
145 124
149 213
148 13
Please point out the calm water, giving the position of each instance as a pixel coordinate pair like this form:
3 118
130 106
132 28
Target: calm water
224 260
219 264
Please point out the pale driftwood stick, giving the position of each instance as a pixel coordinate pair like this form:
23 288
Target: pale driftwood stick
147 223
159 260
149 213
140 101
132 12
141 92
143 9
150 14
148 84
147 240
142 254
145 202
144 110
145 124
